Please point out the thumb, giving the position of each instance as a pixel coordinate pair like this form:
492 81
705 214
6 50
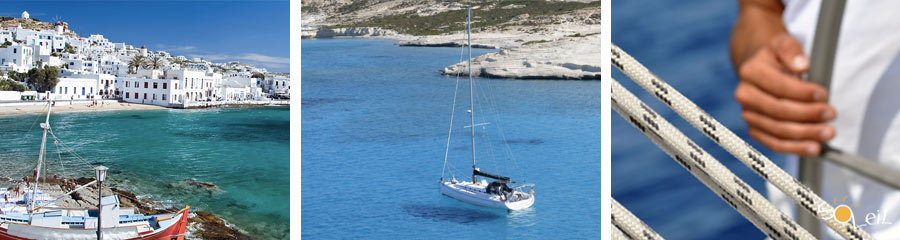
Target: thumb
789 52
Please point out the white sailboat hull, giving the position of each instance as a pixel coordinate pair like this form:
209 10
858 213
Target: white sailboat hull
475 194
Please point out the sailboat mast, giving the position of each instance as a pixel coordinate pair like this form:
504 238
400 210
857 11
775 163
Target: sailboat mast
471 88
46 127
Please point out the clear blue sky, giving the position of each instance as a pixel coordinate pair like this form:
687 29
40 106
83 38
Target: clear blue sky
253 32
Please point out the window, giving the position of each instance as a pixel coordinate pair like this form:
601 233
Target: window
175 97
145 84
127 95
176 86
163 97
92 90
145 96
154 85
126 84
82 91
67 90
164 87
154 96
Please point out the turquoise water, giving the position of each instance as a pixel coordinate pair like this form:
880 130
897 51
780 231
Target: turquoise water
244 151
374 129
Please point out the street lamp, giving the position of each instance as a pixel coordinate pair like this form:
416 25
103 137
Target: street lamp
101 175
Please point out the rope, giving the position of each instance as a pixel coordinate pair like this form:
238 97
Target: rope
629 225
618 234
733 144
509 154
705 167
452 111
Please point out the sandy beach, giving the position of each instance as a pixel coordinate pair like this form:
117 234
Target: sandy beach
39 107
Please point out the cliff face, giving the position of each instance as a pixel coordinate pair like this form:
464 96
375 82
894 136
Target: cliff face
353 32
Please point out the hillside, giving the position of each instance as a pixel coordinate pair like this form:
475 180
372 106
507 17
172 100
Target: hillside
537 38
29 23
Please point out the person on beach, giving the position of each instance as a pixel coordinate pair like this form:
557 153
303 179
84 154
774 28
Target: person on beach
769 43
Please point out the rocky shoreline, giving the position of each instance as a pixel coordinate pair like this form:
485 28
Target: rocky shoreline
201 224
563 47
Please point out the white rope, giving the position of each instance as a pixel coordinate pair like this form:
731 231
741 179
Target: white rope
631 226
733 144
706 168
496 119
618 234
452 111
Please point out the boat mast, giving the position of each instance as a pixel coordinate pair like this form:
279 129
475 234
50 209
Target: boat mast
471 88
46 126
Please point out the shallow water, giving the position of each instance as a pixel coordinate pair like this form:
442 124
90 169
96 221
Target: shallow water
686 44
244 151
375 120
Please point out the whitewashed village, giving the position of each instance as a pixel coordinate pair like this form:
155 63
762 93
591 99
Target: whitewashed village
41 63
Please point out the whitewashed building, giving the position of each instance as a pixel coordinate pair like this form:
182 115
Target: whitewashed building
74 88
162 92
16 57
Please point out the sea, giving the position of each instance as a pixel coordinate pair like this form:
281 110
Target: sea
375 126
242 150
686 44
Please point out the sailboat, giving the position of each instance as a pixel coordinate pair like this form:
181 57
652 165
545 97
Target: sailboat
31 214
497 193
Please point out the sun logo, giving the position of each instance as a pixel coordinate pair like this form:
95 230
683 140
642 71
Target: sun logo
843 213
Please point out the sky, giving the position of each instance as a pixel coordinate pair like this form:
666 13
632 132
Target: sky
253 32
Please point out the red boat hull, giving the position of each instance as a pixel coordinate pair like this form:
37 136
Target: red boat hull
175 231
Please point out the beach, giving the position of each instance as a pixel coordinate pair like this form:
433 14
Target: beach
40 107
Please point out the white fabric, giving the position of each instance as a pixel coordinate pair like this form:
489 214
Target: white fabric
863 90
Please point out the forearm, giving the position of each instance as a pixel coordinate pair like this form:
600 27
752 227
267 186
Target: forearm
758 22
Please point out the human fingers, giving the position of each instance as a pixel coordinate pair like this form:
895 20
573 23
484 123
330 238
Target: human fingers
752 98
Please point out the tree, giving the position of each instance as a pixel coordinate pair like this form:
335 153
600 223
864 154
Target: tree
9 85
69 49
16 76
43 79
155 62
52 77
258 75
136 63
6 44
36 77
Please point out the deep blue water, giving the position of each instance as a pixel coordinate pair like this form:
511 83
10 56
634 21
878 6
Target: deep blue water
686 44
374 128
244 151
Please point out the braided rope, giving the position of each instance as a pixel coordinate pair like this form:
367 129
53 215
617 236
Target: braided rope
738 194
733 144
630 225
618 234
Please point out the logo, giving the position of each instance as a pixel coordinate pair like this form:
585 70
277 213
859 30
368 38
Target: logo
844 215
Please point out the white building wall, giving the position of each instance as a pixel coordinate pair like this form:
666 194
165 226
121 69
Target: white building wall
16 57
71 88
162 92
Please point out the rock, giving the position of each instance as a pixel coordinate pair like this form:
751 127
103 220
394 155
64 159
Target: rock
353 32
575 60
198 186
205 225
201 225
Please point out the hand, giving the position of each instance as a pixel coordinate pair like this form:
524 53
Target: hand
783 112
